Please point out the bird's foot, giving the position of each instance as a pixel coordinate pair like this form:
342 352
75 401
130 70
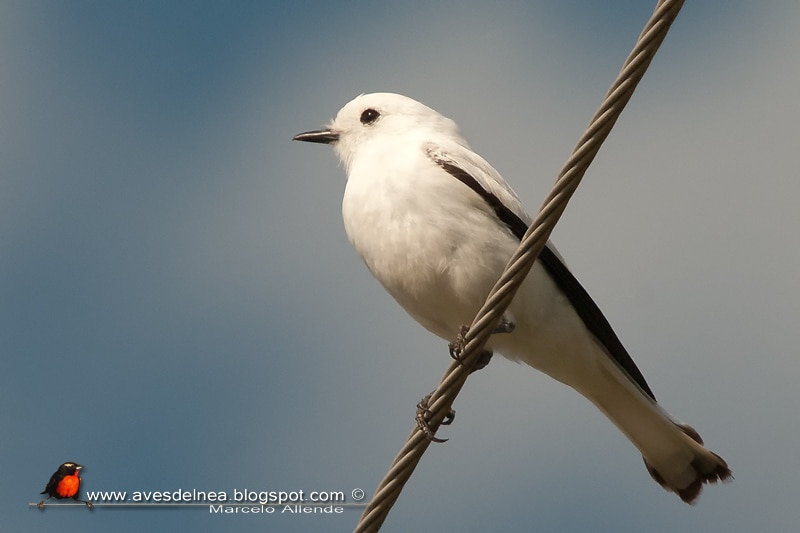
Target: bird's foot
424 412
457 349
482 361
40 505
506 325
457 346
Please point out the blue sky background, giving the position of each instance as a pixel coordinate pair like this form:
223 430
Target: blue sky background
180 307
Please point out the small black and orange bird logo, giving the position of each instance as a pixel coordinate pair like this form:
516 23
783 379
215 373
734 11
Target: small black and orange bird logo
65 483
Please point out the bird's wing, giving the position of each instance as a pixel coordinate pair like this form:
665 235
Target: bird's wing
474 172
592 316
51 485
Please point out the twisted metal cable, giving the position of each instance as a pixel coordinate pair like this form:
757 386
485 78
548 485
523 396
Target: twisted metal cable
534 240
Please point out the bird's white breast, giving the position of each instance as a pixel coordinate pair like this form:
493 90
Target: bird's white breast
432 242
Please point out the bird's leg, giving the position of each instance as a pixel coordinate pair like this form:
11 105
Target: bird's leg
89 504
506 325
482 361
457 346
423 412
40 505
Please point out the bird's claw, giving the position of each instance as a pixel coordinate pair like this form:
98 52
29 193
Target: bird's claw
456 347
423 412
482 361
506 325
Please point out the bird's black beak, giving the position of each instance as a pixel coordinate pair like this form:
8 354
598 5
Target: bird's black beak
318 136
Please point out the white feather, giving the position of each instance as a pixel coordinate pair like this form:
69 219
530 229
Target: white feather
438 247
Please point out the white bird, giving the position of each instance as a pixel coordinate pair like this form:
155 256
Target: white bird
436 225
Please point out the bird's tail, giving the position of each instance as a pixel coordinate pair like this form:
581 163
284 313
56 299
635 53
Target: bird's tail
673 452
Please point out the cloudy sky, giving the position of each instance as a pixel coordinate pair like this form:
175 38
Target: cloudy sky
180 307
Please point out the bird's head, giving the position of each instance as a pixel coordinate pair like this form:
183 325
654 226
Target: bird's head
69 468
381 117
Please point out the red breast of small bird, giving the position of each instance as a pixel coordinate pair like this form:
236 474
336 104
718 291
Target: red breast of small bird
69 485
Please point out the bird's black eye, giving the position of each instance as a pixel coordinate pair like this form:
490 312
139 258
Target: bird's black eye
369 116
